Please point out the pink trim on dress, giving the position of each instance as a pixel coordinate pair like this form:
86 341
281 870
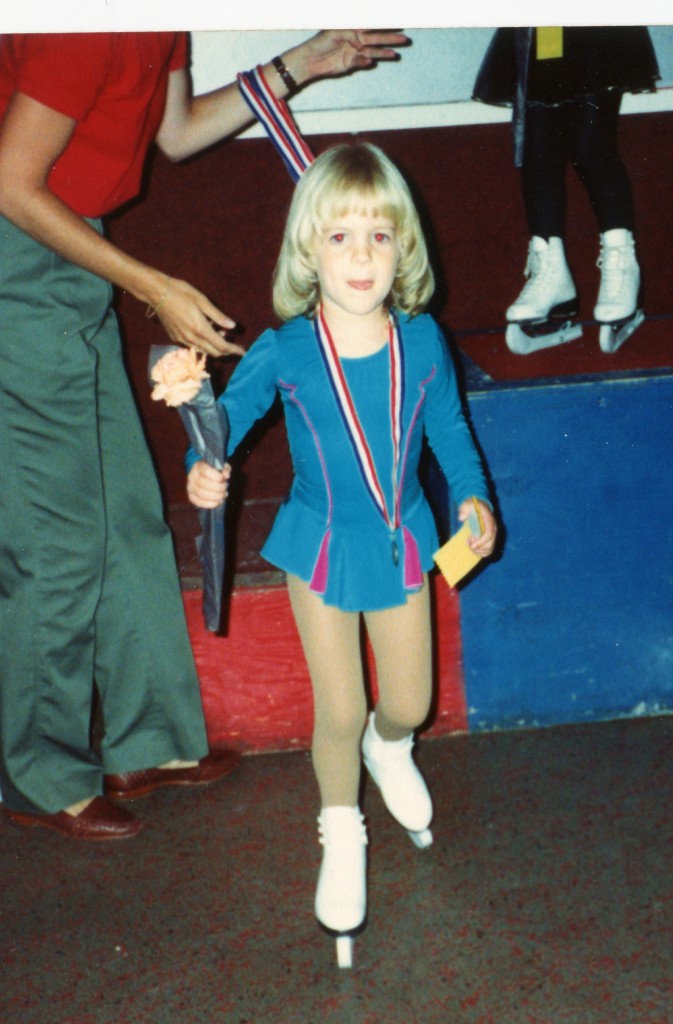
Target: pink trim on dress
413 573
318 582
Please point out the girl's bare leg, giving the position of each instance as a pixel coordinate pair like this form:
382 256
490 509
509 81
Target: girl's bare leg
401 639
331 643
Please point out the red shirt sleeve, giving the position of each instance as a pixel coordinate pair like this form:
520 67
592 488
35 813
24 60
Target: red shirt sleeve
64 71
113 85
180 56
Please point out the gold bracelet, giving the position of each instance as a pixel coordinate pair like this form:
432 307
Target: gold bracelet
153 310
284 74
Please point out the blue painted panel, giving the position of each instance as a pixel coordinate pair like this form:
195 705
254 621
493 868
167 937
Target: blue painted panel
575 620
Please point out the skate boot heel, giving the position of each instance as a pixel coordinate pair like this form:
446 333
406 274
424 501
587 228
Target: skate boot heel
391 766
619 304
565 310
341 895
421 839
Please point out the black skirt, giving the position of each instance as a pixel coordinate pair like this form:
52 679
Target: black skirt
594 58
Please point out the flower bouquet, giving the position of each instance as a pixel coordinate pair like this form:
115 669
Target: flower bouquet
181 380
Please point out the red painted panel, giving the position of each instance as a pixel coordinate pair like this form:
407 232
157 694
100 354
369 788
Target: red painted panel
254 684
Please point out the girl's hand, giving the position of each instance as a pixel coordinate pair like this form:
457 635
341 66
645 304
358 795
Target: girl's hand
483 545
207 487
189 318
338 51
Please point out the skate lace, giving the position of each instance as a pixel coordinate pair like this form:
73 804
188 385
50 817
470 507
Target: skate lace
613 262
355 830
539 272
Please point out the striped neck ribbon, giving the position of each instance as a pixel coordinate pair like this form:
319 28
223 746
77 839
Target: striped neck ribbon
274 116
354 429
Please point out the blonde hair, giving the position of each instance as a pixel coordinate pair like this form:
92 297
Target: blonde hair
337 182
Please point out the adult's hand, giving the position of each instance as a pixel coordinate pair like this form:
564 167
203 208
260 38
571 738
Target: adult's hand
32 136
340 51
192 123
191 319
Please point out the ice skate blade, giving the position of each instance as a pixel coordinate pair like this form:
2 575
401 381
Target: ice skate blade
421 839
524 339
344 941
344 951
612 336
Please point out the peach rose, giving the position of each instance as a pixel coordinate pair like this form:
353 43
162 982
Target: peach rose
177 376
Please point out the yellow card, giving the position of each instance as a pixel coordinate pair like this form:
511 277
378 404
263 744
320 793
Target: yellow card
549 42
456 558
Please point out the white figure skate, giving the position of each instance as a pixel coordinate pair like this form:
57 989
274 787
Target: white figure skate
618 308
341 895
391 766
542 316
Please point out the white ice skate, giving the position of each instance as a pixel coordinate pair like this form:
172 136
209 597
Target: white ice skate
341 895
542 316
618 308
391 765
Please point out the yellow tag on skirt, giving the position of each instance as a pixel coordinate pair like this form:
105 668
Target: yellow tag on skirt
549 42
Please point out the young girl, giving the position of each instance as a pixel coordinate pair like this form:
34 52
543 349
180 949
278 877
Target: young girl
363 376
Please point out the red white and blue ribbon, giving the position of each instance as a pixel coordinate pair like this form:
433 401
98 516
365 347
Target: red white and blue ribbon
274 116
352 422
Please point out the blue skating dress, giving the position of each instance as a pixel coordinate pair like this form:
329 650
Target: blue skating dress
329 532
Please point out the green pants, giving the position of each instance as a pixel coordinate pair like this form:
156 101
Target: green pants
88 582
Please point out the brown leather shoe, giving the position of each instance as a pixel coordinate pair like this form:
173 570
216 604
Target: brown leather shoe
134 784
101 819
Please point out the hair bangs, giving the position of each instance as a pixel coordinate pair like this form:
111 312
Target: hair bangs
349 178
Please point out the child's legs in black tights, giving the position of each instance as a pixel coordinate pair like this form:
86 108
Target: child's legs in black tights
596 159
543 171
585 133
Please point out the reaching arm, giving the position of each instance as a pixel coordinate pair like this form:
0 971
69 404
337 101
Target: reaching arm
32 137
193 123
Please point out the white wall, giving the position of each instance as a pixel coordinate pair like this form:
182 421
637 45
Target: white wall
431 85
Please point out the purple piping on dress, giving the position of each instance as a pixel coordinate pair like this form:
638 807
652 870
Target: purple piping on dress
320 573
413 573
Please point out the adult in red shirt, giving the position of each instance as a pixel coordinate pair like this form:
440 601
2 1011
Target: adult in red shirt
88 589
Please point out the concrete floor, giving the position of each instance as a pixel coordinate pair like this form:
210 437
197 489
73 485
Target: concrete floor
547 897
